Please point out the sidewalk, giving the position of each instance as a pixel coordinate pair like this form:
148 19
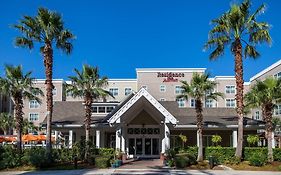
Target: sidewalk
140 171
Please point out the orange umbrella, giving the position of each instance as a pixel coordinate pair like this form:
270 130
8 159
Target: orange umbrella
2 139
41 137
10 139
29 137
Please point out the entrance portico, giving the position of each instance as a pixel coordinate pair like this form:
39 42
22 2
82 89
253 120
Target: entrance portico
142 126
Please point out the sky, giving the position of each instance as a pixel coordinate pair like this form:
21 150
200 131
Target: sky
119 36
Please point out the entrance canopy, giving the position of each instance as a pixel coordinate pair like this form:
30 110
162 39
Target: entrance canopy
140 101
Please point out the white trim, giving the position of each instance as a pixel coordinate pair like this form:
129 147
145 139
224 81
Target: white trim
247 83
43 80
265 70
142 93
122 80
225 77
170 70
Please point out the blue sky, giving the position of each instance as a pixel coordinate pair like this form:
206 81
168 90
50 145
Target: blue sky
119 36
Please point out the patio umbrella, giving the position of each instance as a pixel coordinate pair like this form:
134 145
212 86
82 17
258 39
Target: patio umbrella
41 137
10 139
2 139
29 137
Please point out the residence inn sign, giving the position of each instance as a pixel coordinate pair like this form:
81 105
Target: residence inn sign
170 76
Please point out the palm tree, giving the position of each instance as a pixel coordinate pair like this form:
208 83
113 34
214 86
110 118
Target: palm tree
89 85
47 29
19 86
240 29
265 94
200 88
6 122
27 126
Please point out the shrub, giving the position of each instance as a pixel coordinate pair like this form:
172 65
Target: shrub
10 157
102 162
181 161
221 154
277 154
216 139
249 151
252 139
36 156
257 159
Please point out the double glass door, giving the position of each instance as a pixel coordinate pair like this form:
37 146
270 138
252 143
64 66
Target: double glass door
144 146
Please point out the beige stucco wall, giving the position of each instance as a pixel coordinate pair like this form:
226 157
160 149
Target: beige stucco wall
41 110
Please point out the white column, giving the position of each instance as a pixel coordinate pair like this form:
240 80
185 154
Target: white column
197 139
123 140
234 138
118 139
56 138
98 138
70 138
273 140
166 139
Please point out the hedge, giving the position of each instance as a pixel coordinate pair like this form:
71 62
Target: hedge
227 153
102 162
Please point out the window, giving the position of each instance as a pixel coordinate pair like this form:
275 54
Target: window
162 88
114 91
102 109
128 91
181 102
144 86
209 103
162 99
257 115
230 102
278 75
33 117
192 102
54 91
69 94
277 109
230 89
109 109
33 104
178 90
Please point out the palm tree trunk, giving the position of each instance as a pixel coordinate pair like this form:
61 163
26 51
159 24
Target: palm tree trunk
198 108
19 119
88 113
239 95
269 129
48 63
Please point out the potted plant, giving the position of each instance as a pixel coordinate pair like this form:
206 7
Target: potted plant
113 163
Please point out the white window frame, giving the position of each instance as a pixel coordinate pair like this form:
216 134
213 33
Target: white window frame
230 103
277 75
181 102
34 113
114 88
125 90
277 109
162 88
192 101
209 103
257 115
178 89
55 91
34 104
229 91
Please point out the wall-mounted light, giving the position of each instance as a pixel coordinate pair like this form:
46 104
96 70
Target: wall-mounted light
118 133
167 133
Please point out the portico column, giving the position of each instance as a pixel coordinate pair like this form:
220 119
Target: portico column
123 140
56 138
118 138
166 139
70 139
273 140
98 138
197 139
234 138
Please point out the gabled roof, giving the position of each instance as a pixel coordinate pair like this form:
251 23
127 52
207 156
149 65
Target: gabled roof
142 93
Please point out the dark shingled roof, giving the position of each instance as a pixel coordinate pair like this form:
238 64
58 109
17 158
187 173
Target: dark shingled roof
211 116
72 112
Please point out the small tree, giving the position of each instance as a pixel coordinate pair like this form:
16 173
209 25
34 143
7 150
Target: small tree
216 139
183 139
253 139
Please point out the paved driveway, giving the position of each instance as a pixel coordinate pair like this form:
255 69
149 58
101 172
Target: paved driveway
143 171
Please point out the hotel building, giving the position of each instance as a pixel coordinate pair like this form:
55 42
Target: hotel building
144 119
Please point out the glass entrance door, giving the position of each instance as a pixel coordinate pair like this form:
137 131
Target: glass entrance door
139 146
143 146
